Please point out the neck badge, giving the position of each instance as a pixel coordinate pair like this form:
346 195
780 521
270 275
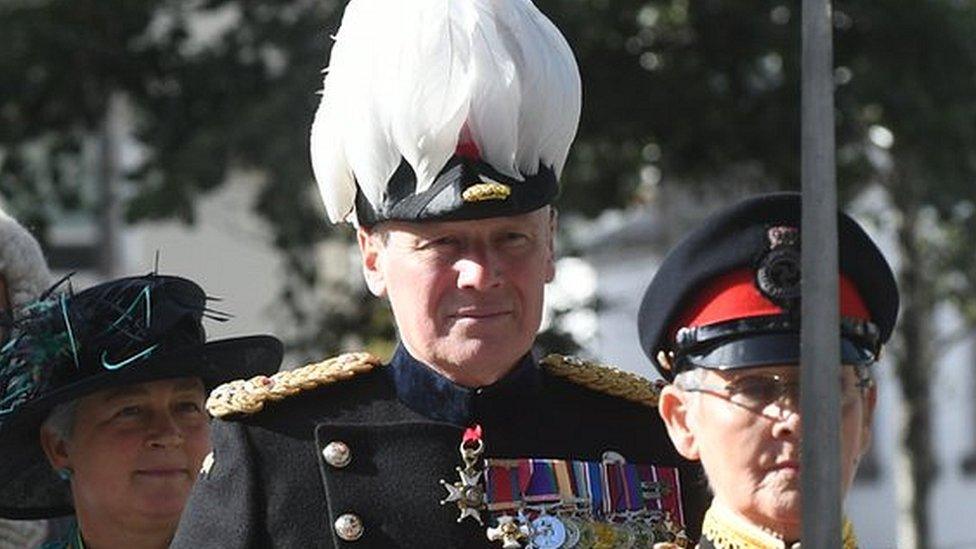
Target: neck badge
468 493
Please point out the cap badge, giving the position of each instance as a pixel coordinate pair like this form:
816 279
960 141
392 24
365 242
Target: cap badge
487 189
778 275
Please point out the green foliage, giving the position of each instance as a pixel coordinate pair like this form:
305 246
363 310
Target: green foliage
675 93
688 88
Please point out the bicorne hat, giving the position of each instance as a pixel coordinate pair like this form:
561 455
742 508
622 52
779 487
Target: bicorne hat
65 346
435 110
728 295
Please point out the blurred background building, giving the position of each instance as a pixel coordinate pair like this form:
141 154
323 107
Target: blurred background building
626 251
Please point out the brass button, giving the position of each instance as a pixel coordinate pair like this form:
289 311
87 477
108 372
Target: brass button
337 454
349 527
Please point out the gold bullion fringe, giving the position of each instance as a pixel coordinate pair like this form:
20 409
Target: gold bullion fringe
604 378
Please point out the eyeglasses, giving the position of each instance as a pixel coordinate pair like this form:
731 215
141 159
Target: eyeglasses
756 391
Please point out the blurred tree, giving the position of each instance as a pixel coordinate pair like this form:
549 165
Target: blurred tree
213 86
675 93
681 92
911 95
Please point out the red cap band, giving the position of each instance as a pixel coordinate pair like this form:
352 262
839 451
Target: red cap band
734 295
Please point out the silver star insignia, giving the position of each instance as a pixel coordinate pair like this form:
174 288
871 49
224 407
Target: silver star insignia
467 493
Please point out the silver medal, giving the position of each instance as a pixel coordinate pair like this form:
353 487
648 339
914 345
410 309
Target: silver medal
548 532
573 532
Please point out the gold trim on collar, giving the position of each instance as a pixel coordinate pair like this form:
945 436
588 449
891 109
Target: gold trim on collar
727 531
490 190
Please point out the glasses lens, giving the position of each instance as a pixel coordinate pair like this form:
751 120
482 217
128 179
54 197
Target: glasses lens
760 390
756 390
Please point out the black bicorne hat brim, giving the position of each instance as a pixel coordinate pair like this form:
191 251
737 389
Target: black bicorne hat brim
446 199
781 349
30 488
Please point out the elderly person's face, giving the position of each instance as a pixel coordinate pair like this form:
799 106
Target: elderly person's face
467 295
135 451
744 426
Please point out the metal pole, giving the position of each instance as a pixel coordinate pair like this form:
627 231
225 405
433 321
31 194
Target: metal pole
820 331
109 176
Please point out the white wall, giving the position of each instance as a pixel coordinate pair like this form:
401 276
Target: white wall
228 251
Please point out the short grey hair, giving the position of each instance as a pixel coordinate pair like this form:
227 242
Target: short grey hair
61 420
690 378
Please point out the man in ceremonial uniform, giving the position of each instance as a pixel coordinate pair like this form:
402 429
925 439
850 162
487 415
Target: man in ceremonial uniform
442 132
721 319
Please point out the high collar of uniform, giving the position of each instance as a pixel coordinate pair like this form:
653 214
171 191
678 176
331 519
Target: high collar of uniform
726 530
429 393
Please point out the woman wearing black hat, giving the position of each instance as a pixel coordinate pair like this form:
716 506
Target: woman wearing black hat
24 276
101 407
721 321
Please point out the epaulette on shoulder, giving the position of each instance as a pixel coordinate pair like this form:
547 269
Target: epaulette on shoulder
604 378
248 396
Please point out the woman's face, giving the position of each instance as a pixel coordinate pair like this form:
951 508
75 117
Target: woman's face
748 439
135 451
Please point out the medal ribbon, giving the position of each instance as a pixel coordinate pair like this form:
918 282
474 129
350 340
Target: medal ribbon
609 488
564 480
542 486
502 484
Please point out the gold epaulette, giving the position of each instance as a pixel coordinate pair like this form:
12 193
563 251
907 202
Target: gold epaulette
604 378
248 396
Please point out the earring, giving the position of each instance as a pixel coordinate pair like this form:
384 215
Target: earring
65 473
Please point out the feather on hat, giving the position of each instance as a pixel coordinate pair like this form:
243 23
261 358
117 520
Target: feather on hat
417 88
21 263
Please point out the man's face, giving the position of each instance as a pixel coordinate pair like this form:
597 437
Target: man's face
752 453
135 451
467 295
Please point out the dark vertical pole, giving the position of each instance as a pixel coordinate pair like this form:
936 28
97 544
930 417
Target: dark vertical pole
819 337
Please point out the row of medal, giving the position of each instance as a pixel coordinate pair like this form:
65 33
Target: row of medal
552 503
549 503
565 528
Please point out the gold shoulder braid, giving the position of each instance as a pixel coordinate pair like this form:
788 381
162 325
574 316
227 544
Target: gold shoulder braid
248 396
603 378
727 531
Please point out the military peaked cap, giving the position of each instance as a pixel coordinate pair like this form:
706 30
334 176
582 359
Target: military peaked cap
728 295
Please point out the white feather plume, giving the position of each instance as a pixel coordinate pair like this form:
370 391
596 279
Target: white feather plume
406 75
21 263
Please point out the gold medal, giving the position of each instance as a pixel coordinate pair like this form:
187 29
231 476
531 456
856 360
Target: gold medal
510 531
604 536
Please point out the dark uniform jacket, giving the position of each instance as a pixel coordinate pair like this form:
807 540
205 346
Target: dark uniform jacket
270 486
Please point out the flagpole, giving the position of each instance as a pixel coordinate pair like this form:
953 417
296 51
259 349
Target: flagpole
819 335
